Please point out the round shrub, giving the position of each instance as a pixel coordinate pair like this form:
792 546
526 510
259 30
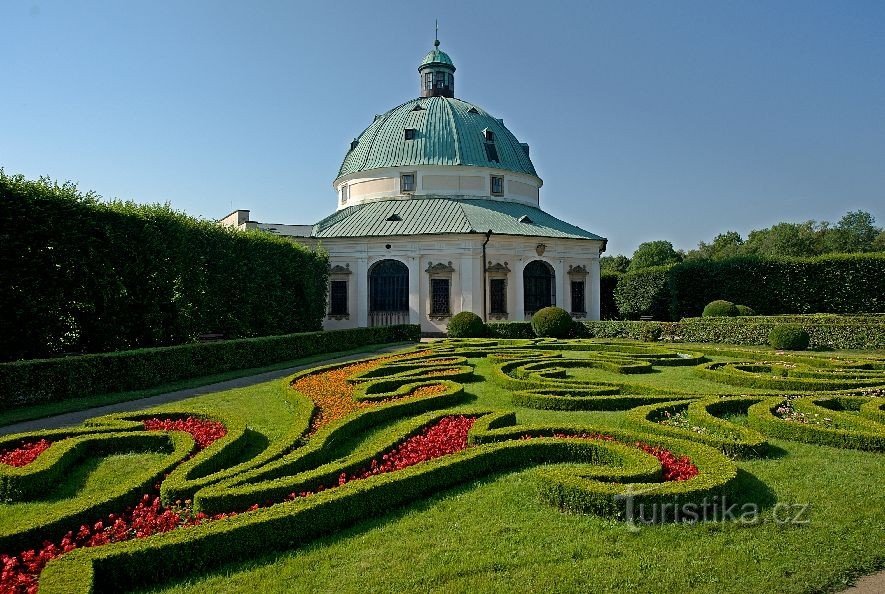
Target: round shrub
790 337
552 322
466 325
720 308
745 310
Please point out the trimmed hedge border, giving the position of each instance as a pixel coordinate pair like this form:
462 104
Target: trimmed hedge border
863 434
44 380
731 439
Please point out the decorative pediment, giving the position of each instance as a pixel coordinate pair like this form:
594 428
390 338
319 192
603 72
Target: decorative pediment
497 267
439 268
339 269
579 270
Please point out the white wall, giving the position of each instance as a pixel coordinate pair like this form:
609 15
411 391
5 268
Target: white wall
436 180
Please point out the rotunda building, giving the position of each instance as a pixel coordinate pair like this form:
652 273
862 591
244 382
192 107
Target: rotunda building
439 212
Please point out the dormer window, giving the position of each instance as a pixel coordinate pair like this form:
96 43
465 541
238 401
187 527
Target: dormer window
410 134
417 107
393 218
489 135
472 110
407 182
353 143
497 185
525 219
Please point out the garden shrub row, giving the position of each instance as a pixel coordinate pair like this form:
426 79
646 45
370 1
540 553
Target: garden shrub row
86 276
766 376
707 426
290 524
44 380
824 331
858 432
832 283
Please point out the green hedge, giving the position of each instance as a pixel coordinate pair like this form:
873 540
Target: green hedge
707 426
825 284
78 275
825 331
510 330
859 433
42 380
644 293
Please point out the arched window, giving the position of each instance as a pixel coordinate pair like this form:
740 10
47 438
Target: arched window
388 293
539 286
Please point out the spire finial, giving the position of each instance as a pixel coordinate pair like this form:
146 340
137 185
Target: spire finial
436 33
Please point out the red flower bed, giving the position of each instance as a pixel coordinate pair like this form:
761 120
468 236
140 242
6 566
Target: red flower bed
204 431
25 453
446 436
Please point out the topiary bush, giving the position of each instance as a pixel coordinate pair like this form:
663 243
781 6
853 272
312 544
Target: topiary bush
466 325
745 310
791 337
720 308
552 322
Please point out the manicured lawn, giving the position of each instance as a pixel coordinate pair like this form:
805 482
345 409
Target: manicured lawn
493 533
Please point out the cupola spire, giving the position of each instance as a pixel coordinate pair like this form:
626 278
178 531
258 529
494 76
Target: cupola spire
437 72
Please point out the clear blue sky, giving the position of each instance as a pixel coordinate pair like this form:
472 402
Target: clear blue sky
647 120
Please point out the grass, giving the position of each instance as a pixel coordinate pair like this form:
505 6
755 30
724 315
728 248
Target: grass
495 535
48 409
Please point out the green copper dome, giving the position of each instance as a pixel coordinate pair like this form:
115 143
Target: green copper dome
437 56
444 131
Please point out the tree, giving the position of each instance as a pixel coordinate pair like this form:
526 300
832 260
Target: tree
725 245
855 232
618 263
787 239
654 253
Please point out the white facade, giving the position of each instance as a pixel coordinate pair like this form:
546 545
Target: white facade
506 256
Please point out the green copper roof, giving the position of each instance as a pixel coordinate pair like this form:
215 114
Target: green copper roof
433 216
437 56
448 131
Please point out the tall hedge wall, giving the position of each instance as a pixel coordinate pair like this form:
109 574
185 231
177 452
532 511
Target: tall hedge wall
81 276
827 284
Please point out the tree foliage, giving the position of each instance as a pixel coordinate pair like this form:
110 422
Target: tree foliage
614 264
856 232
654 253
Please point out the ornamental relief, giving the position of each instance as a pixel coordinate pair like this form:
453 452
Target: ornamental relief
497 268
439 268
339 269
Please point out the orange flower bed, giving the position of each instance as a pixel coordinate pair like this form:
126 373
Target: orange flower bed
333 394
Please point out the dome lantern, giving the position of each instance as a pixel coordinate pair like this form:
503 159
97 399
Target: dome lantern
437 74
